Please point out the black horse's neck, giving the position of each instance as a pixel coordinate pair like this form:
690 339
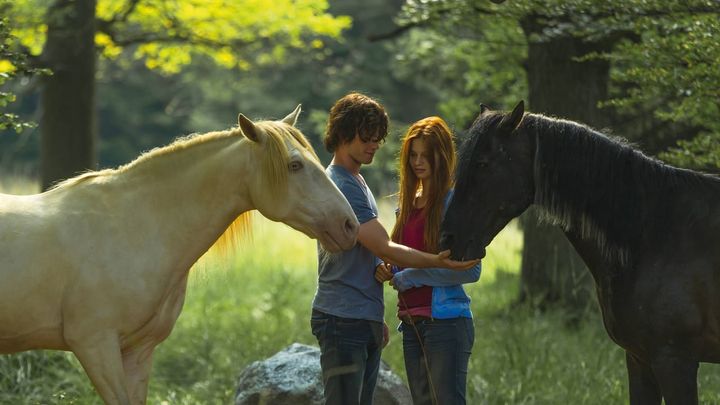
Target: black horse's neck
601 189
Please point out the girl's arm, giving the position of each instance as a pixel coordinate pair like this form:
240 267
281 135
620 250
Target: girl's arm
434 277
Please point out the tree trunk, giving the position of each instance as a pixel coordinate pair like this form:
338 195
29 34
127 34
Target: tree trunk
67 123
552 272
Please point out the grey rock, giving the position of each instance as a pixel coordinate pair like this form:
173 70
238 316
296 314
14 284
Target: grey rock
293 377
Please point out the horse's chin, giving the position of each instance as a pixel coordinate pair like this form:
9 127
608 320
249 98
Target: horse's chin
334 243
474 250
330 245
331 249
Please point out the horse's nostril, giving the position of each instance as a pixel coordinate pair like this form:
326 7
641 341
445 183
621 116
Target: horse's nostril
350 226
446 240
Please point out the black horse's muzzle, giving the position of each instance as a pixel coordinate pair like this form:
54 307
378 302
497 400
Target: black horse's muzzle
467 250
446 240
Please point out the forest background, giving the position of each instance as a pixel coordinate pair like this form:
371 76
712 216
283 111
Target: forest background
91 84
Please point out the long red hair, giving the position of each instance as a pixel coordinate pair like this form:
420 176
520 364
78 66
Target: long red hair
440 143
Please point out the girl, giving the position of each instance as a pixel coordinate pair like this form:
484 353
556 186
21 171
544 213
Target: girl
437 327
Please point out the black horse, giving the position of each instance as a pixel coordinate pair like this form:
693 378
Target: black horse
648 232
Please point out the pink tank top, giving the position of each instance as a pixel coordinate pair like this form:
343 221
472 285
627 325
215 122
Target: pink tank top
415 301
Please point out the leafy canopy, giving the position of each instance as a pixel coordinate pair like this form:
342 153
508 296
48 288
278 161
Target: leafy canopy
12 64
167 34
665 60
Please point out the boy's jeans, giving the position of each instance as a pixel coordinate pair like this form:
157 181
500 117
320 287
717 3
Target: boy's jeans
349 356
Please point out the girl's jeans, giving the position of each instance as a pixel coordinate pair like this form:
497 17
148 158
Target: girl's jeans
448 343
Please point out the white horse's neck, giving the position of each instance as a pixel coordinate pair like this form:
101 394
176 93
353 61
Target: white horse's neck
180 201
200 191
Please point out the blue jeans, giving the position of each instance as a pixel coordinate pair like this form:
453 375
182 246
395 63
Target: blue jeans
447 343
349 357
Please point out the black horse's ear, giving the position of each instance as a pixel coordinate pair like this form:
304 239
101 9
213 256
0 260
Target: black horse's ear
512 120
483 109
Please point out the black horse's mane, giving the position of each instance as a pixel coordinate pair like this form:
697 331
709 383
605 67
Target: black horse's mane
603 188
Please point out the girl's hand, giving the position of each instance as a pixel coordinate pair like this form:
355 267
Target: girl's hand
386 334
383 272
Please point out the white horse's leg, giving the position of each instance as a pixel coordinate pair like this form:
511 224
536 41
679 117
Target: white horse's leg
137 364
99 355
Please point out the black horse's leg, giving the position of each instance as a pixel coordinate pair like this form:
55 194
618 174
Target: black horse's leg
644 389
677 376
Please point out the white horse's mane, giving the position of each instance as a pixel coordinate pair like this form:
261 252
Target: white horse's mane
181 143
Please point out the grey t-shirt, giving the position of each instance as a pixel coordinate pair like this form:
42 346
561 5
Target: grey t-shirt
346 281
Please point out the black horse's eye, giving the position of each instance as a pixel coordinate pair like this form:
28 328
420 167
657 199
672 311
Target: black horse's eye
295 165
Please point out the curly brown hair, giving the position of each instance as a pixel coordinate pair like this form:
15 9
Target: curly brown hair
355 114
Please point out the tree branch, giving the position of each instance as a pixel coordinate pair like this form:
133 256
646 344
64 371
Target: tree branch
437 14
398 31
123 17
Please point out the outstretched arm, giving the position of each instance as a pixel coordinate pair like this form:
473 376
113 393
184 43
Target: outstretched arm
434 277
373 236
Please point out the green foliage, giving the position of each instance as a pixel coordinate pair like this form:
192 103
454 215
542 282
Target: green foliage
140 104
672 66
463 56
465 71
664 63
700 153
12 64
167 35
211 99
142 110
41 377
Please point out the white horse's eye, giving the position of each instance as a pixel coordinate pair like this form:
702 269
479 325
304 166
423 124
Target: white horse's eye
295 165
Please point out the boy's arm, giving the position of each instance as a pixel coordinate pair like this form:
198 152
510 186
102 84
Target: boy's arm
373 236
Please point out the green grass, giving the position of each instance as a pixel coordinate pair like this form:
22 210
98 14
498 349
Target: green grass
247 307
15 183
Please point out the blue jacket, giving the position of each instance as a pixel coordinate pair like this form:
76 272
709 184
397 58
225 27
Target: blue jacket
448 296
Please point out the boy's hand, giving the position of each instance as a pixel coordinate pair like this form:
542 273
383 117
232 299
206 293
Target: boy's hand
448 263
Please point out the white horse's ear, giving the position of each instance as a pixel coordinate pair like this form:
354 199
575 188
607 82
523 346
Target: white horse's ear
248 128
291 118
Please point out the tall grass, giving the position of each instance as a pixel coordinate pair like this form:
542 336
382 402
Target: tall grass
246 307
15 182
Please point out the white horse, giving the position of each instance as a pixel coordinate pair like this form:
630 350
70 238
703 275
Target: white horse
98 265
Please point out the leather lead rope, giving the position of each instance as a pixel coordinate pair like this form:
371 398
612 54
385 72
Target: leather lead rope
424 353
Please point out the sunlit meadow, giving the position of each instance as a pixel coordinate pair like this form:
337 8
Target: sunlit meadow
252 303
